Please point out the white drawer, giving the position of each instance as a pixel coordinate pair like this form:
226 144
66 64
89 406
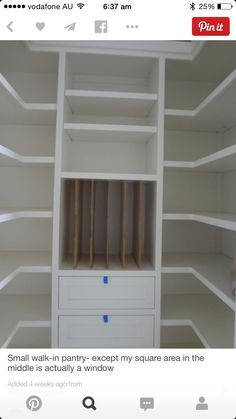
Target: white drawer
101 332
106 292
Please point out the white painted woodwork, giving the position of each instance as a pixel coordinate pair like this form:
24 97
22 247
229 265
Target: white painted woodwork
159 113
104 132
222 220
213 270
9 157
179 337
110 176
16 308
9 215
119 332
30 334
221 161
210 316
85 102
15 111
119 292
13 264
27 140
214 113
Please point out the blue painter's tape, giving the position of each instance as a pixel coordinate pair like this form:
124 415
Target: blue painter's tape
105 279
105 318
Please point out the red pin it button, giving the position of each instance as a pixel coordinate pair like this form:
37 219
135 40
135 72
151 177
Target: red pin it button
211 26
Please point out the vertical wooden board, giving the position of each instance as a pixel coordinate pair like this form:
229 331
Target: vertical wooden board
77 225
65 203
123 222
138 196
92 217
108 215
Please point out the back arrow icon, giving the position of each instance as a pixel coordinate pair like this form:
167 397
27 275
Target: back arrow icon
9 26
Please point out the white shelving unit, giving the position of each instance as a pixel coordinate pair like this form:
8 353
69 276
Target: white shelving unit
122 232
221 161
106 200
199 189
9 158
27 120
97 103
214 113
207 268
208 318
223 220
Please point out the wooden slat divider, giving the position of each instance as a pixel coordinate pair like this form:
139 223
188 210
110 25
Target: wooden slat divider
92 226
65 234
137 245
123 223
77 225
108 223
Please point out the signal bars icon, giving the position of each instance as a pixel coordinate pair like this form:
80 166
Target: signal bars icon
80 5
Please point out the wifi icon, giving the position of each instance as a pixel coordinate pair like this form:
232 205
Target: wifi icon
80 5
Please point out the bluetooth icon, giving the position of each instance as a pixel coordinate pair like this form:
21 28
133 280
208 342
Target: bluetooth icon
192 6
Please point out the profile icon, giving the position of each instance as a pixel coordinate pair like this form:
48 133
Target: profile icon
202 405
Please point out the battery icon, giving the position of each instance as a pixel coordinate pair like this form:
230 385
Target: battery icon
224 6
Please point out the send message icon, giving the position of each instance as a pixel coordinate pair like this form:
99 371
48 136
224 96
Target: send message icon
147 403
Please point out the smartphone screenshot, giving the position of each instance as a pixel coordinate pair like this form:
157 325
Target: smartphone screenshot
117 209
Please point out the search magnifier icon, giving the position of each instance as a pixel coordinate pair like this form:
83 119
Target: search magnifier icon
89 403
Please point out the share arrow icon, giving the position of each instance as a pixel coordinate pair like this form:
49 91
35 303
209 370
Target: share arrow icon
71 26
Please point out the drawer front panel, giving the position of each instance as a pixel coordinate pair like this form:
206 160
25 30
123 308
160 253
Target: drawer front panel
106 331
106 292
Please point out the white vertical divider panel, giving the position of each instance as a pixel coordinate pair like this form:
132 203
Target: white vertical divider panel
159 197
235 330
57 193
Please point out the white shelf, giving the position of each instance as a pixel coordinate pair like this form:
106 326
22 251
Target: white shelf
9 158
9 215
223 220
212 320
109 132
89 102
14 263
15 309
30 334
15 111
213 270
215 112
109 176
221 161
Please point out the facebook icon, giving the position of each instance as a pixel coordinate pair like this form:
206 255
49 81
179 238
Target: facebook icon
101 26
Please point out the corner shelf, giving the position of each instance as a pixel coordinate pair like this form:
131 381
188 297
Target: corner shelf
92 102
214 113
33 338
14 263
31 311
222 161
211 319
9 215
15 111
9 157
213 270
222 220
